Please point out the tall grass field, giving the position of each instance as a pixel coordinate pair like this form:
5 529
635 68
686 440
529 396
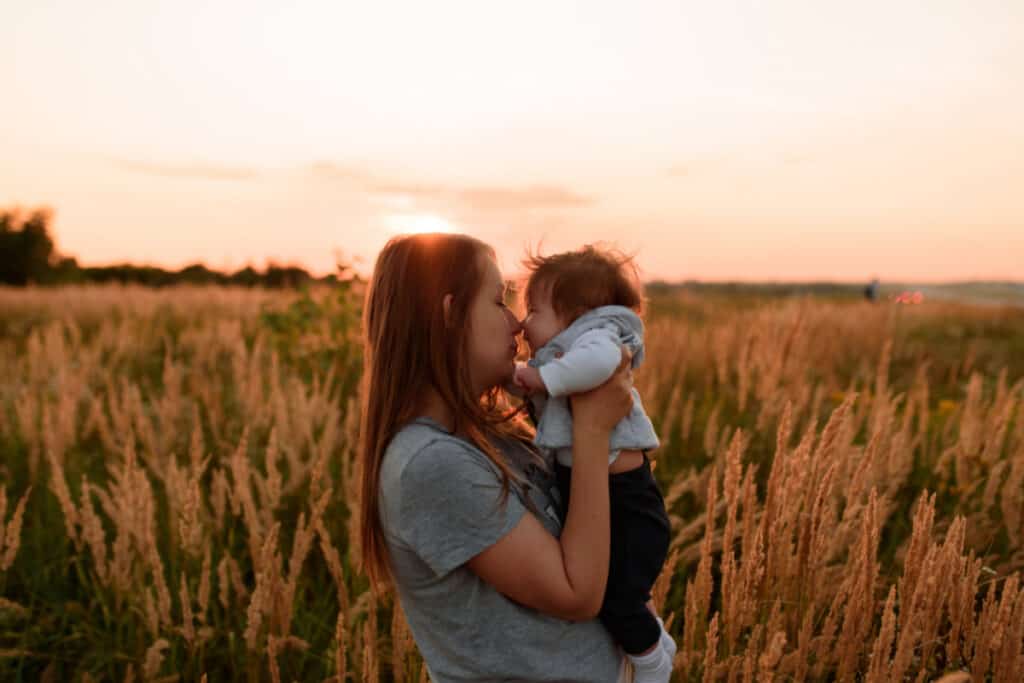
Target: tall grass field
178 488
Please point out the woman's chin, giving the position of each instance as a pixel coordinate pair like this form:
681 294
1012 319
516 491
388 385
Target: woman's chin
508 373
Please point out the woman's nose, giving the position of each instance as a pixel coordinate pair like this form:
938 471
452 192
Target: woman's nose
514 323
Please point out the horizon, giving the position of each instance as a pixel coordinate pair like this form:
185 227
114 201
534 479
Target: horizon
364 273
722 143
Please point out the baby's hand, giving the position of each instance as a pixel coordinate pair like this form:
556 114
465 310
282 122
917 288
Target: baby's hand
529 379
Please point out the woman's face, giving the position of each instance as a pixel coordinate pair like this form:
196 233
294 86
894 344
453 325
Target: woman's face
493 329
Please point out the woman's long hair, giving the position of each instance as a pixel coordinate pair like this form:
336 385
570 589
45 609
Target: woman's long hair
410 347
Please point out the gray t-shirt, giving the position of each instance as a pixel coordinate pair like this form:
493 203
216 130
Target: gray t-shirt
440 507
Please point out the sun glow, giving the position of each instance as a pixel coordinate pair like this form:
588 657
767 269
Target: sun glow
416 223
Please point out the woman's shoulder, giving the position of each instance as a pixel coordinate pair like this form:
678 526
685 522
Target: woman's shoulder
441 497
422 448
418 434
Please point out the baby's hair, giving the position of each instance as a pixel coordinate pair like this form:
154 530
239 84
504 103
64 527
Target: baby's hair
580 280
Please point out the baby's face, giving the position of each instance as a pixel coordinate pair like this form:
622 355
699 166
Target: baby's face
541 323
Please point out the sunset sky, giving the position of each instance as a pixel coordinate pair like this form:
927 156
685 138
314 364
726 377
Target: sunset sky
777 140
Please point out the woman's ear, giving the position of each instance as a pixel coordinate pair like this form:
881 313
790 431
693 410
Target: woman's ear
446 304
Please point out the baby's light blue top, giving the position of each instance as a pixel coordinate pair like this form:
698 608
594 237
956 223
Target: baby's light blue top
581 357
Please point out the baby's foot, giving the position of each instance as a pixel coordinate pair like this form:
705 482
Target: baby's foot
653 667
666 640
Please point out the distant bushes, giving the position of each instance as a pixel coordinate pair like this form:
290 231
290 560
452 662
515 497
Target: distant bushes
26 248
28 256
278 276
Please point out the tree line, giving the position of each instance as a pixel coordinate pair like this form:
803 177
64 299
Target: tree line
28 255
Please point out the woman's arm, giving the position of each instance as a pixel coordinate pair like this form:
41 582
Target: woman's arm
566 576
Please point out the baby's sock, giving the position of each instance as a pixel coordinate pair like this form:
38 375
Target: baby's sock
666 641
653 667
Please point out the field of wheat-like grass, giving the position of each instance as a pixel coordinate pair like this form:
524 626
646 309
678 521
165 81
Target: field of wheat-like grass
178 489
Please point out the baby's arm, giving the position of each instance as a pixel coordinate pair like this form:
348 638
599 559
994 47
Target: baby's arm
528 380
588 363
515 386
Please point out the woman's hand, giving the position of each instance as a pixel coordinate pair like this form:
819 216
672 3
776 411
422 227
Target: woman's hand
601 408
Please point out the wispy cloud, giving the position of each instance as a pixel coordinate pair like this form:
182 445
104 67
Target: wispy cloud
533 196
332 171
697 165
473 197
204 171
736 161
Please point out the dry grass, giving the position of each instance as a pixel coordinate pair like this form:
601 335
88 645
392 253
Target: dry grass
177 490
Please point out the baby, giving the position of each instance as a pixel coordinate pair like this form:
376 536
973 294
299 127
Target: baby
581 307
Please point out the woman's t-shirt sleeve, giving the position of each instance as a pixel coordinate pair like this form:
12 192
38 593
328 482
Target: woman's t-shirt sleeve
451 505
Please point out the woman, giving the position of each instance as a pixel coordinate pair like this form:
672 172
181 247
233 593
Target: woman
457 511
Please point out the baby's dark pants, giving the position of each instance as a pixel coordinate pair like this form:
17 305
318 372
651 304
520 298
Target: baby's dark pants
639 544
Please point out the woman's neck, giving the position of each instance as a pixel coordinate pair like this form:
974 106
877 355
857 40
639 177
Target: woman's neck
434 407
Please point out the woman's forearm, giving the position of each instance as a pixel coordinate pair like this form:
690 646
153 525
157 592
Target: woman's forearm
585 535
567 576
